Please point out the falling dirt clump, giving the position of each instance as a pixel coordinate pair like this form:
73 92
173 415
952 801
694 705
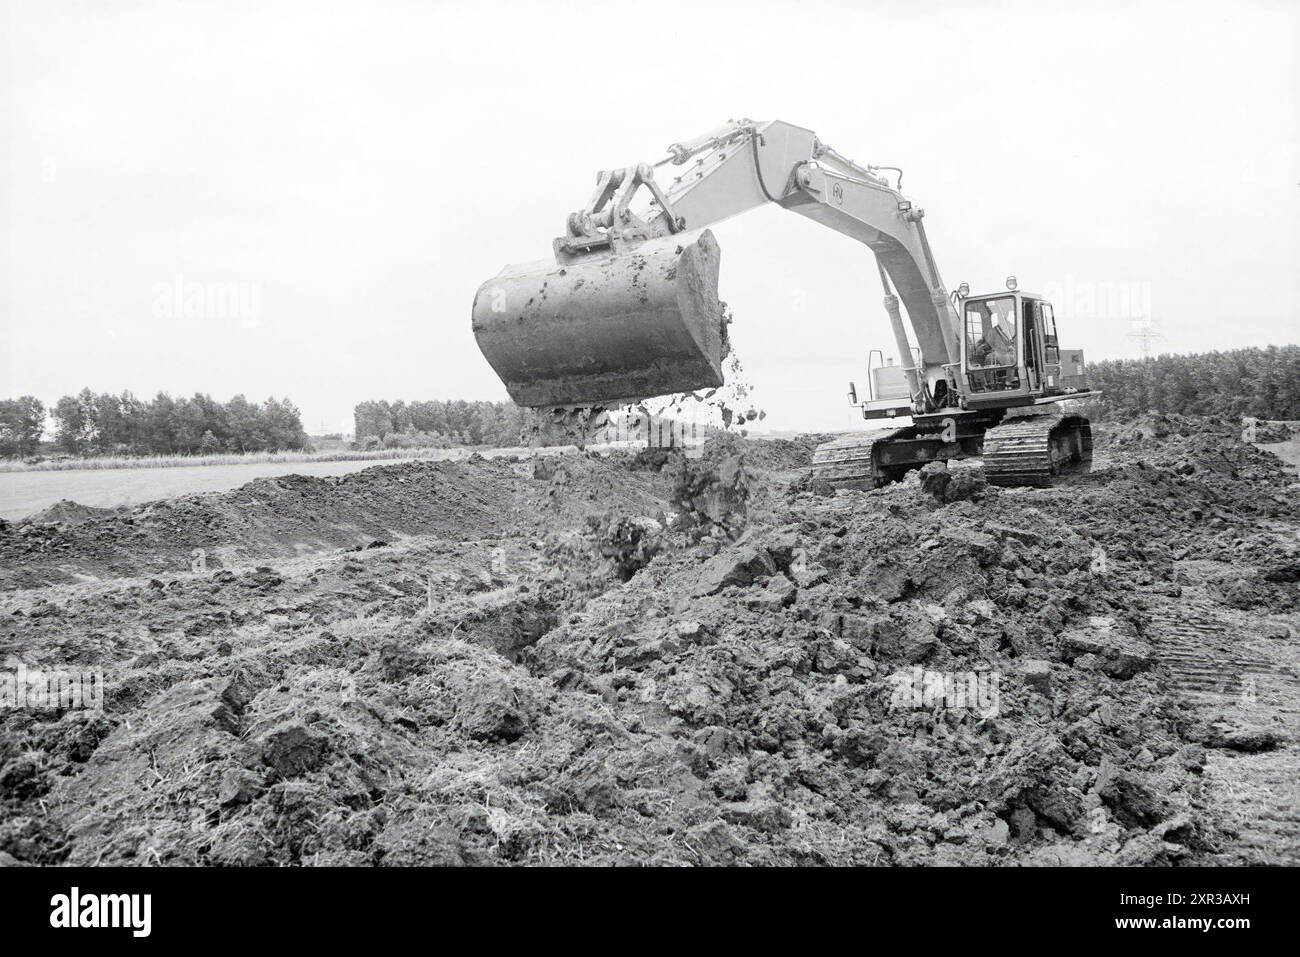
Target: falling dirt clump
674 420
712 491
628 542
565 425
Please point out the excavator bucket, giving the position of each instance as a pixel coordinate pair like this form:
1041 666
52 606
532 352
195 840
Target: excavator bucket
606 328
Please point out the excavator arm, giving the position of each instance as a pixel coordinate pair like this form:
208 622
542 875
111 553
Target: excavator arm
629 307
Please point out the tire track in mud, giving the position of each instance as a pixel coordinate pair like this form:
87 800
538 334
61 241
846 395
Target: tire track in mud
1197 651
1242 693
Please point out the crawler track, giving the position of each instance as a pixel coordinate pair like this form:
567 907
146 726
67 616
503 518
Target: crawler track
851 462
1035 450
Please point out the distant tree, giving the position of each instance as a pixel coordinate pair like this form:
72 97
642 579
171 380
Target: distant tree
400 416
280 424
135 421
373 419
211 414
22 422
74 420
186 426
110 425
160 424
429 417
241 424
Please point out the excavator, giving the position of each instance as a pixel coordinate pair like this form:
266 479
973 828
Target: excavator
628 309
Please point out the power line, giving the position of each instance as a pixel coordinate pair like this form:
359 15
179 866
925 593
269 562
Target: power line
1145 331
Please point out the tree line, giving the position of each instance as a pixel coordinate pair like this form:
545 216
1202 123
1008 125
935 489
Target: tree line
435 422
1259 382
90 423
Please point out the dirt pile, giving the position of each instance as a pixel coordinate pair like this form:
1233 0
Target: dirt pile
296 514
68 512
800 667
1189 446
552 672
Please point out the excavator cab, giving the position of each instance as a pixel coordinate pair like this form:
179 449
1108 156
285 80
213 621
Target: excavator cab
1010 350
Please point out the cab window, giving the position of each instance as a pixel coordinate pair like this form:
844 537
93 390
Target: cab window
991 331
1051 346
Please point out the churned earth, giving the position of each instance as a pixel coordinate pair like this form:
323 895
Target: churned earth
645 658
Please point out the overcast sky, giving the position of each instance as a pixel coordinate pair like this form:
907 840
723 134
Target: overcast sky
352 171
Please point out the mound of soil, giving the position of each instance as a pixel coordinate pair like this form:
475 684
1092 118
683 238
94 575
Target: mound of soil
296 514
67 512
